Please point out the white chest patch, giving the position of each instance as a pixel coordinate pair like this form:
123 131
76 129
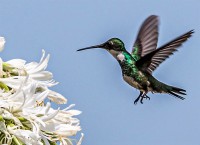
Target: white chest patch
120 57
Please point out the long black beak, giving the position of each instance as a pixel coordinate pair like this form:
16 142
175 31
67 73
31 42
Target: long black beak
92 47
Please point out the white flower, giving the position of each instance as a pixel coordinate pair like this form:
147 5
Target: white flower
18 70
26 116
35 70
26 107
26 136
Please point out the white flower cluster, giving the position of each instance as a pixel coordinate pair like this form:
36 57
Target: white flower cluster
26 115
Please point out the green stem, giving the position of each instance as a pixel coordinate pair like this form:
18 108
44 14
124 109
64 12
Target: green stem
22 119
1 118
6 66
2 136
16 141
3 86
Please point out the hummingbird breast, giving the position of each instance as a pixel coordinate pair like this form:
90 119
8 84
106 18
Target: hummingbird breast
132 82
135 78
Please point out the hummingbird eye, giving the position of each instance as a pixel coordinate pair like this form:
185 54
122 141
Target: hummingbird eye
109 45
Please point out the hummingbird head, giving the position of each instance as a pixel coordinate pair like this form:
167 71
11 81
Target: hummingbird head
113 44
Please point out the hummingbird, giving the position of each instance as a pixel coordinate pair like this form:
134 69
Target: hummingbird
137 67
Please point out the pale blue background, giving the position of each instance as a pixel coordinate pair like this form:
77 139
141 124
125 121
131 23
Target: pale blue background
92 79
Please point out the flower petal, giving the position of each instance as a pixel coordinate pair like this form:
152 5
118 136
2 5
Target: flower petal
57 98
2 43
18 63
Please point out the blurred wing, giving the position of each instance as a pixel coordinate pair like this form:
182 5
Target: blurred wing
147 38
152 60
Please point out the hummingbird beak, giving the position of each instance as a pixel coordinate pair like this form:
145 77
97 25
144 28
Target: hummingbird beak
92 47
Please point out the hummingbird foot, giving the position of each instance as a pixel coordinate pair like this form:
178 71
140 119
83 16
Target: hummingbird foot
147 97
141 97
138 98
141 100
144 96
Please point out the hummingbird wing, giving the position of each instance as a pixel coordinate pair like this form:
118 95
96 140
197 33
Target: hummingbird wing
152 60
147 37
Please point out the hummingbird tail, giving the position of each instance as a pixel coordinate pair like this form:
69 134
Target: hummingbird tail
174 91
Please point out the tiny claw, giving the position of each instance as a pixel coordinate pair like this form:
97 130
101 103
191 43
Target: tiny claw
141 100
147 97
135 102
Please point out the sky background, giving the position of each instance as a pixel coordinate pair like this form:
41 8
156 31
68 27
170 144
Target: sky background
92 79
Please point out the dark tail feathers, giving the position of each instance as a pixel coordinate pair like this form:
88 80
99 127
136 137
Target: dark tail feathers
177 92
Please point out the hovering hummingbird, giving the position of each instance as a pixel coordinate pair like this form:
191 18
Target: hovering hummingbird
137 67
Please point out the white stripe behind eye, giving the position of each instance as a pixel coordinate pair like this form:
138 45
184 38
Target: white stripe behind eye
120 57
